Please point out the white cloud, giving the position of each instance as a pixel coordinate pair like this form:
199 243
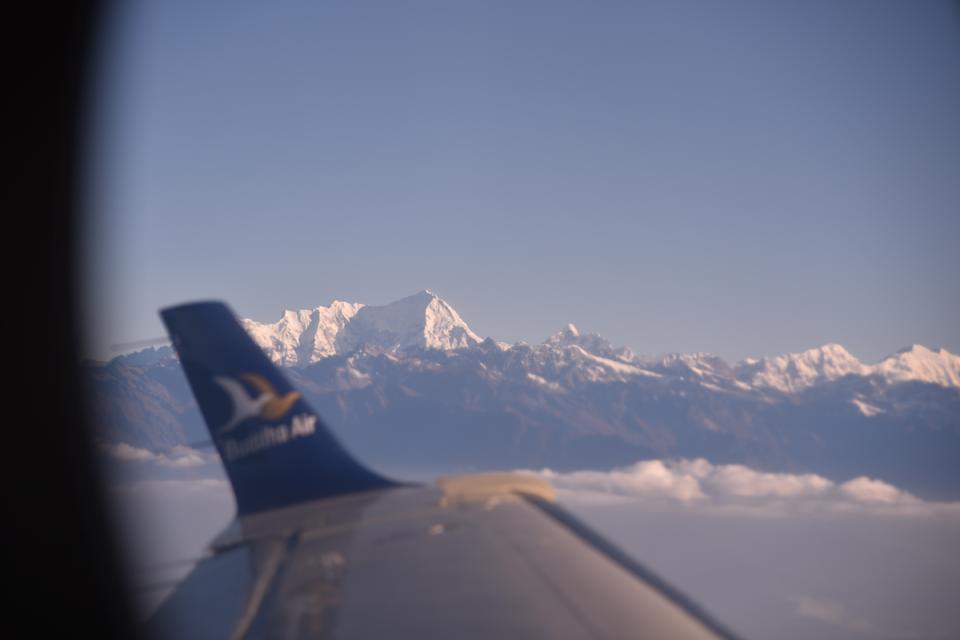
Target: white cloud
868 490
180 456
646 478
124 451
734 487
738 480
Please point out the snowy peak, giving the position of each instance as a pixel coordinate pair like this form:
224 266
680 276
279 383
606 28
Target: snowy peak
700 365
920 364
423 320
797 371
566 336
302 337
593 343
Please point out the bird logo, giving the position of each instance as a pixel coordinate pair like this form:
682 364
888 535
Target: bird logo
267 405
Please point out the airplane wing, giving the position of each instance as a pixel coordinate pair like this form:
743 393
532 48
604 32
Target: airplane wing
323 547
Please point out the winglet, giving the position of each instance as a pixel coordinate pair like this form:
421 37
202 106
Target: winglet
276 449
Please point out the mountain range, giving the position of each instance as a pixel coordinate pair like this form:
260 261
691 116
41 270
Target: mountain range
425 321
410 383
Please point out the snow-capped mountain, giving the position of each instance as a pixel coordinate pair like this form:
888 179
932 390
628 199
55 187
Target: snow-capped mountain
797 371
411 376
303 337
920 364
420 321
590 342
426 321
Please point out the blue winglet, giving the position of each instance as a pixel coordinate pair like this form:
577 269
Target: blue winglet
276 449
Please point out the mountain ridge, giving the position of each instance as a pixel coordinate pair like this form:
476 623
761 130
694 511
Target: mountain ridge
425 321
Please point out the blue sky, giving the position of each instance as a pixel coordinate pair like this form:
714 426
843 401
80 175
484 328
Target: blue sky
738 178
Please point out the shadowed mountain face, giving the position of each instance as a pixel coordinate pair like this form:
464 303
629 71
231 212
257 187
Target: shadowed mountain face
410 384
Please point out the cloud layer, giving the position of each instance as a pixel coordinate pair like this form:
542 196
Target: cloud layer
733 486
